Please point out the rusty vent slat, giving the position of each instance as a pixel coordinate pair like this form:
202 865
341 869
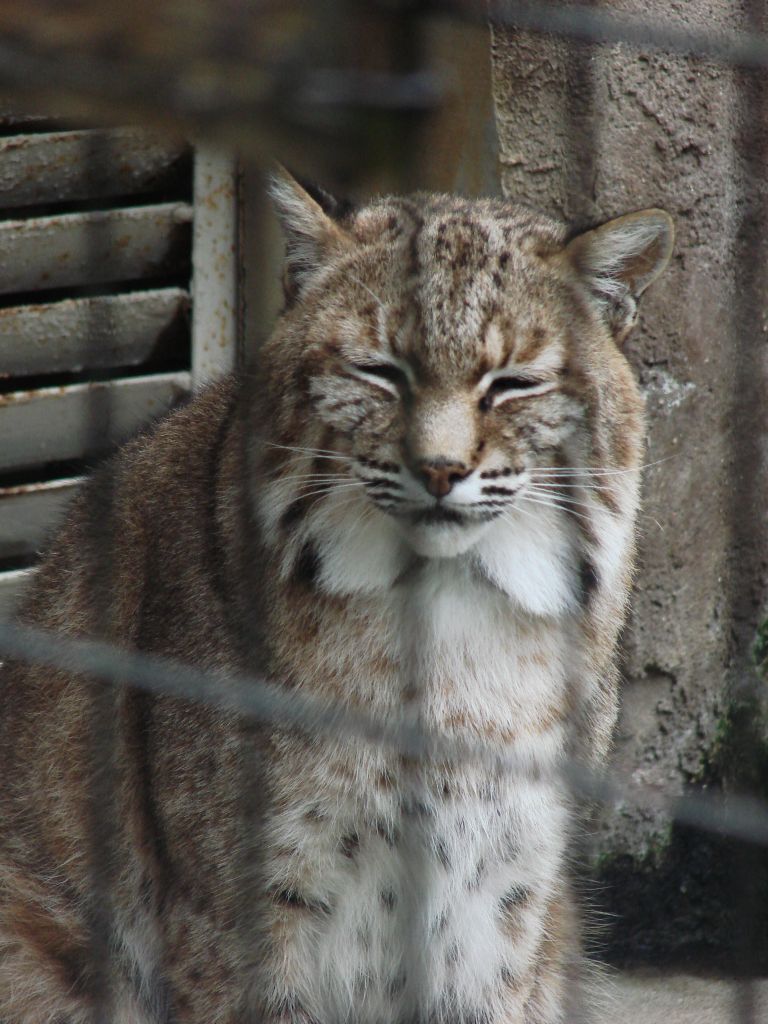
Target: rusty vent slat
57 424
12 586
95 309
57 167
105 331
79 249
27 513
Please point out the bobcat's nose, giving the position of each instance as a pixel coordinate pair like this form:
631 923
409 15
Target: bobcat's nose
440 475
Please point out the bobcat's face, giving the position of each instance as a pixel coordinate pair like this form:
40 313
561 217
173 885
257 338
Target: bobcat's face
446 375
450 368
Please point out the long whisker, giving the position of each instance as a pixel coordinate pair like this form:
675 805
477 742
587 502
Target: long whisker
297 472
318 453
301 448
582 504
287 471
650 519
316 497
547 471
365 287
348 500
576 470
331 489
548 495
582 486
507 516
366 513
301 477
286 486
553 504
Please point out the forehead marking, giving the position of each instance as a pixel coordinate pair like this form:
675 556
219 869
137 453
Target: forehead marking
494 343
533 342
549 359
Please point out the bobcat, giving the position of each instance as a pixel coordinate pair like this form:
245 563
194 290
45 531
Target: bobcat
422 505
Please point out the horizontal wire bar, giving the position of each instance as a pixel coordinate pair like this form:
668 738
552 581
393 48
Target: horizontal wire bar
235 692
737 816
136 83
597 25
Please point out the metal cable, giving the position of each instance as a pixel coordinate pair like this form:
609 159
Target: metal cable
598 25
739 817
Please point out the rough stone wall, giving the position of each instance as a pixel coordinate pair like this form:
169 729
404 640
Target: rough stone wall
589 133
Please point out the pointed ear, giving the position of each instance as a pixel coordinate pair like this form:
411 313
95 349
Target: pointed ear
620 259
311 220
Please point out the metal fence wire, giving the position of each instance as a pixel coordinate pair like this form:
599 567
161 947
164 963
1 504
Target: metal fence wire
312 107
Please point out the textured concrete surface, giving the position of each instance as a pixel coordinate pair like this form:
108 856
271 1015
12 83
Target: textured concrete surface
681 999
589 133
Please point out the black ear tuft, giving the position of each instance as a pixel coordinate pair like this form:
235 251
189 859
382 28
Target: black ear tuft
339 209
619 259
312 221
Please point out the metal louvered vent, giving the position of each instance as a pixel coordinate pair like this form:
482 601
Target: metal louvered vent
96 263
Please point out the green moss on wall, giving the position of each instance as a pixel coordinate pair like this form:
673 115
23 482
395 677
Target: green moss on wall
693 898
681 906
739 751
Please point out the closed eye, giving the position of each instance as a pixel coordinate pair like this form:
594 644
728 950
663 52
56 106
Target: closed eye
383 371
513 386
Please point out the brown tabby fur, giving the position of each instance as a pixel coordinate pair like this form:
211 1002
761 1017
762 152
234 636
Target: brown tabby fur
254 873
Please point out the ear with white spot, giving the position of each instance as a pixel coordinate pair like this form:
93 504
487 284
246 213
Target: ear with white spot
620 259
312 223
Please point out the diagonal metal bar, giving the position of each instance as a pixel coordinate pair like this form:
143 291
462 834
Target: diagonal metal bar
739 817
247 695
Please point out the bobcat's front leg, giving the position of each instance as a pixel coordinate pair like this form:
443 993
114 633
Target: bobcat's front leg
47 969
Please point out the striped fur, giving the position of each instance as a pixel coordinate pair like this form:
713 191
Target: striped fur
423 503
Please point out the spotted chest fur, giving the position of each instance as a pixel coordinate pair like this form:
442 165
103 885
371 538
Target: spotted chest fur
403 890
434 909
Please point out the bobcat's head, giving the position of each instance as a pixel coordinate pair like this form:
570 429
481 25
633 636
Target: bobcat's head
446 380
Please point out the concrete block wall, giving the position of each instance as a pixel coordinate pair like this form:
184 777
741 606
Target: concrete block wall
588 133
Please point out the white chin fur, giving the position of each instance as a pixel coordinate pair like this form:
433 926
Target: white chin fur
533 559
530 557
442 540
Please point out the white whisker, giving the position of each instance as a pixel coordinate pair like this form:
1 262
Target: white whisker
553 494
554 504
650 519
573 502
331 489
348 499
575 471
579 486
366 513
514 507
586 471
370 291
313 478
318 453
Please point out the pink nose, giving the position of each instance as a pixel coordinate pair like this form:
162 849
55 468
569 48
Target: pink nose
440 475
